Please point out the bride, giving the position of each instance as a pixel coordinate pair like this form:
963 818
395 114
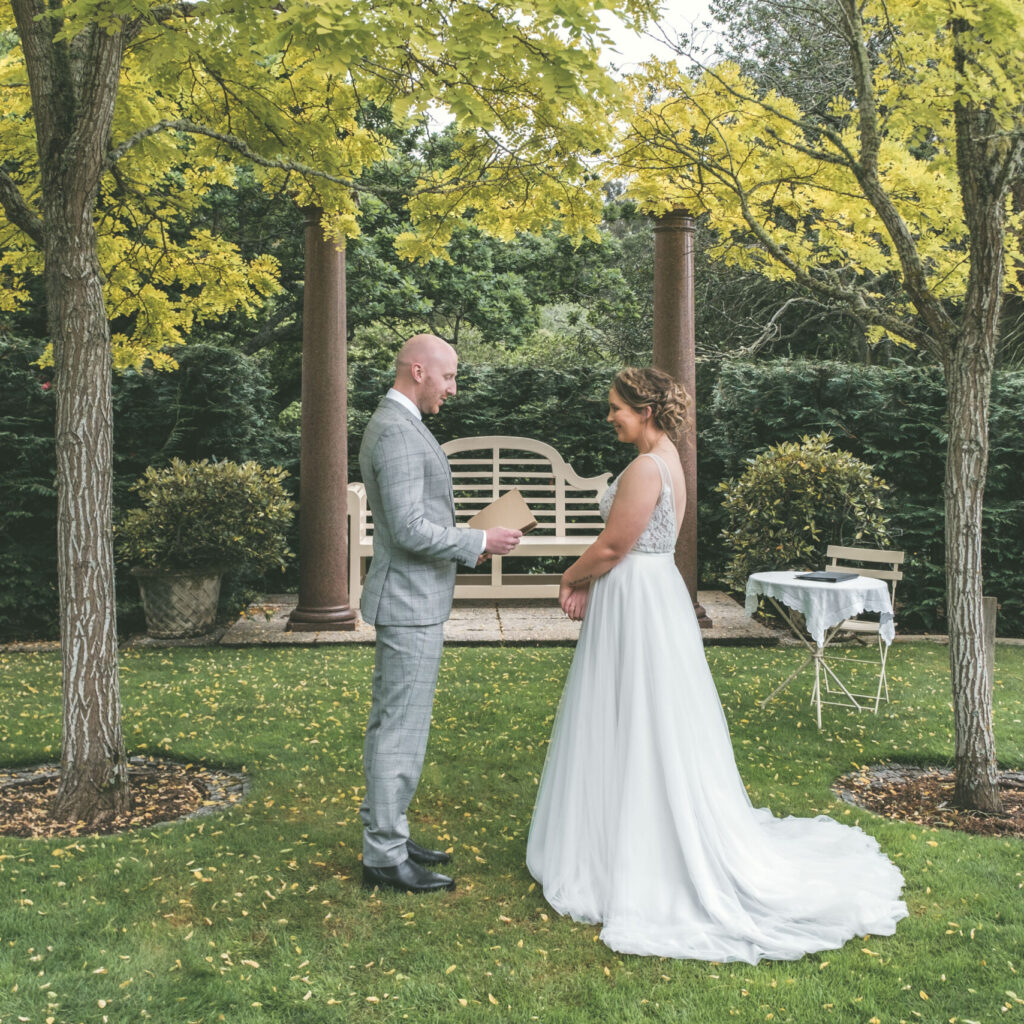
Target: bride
642 822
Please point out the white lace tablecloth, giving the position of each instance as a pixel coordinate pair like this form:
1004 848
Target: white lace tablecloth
824 604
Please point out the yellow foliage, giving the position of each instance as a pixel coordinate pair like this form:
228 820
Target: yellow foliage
787 195
282 90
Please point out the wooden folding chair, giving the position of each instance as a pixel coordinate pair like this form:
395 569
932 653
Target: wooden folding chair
881 564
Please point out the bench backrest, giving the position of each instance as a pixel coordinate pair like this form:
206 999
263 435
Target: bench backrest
562 502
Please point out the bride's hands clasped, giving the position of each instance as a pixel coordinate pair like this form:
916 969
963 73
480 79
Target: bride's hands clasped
573 600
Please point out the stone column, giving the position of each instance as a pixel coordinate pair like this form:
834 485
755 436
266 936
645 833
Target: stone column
323 474
674 353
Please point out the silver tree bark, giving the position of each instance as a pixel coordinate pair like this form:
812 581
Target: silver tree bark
74 86
988 161
968 384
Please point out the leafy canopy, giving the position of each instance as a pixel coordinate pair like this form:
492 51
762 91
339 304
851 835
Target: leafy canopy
789 191
304 95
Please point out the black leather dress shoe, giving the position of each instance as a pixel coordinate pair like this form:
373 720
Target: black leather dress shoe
424 856
406 877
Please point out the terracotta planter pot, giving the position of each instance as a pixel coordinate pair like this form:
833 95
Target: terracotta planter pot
178 604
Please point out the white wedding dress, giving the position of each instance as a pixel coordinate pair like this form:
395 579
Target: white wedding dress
642 822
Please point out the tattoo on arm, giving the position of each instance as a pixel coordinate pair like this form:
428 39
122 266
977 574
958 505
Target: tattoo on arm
580 581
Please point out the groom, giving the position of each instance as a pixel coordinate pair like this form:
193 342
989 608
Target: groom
408 597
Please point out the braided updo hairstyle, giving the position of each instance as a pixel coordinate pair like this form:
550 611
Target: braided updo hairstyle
646 387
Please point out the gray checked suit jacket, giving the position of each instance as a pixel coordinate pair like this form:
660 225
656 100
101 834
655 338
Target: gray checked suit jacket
416 543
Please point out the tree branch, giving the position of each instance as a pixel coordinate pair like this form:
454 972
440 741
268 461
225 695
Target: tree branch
100 65
157 15
855 299
231 141
802 123
37 45
19 213
865 170
771 330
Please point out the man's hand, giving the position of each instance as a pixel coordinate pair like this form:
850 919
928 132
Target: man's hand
501 541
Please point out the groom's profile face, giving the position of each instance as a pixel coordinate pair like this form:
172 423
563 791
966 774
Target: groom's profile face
438 379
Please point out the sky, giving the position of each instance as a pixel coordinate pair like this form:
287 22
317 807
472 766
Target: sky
633 48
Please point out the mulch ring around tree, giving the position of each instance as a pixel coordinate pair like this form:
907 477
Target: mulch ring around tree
925 796
161 792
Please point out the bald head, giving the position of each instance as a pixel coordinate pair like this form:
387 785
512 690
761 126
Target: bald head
422 349
425 371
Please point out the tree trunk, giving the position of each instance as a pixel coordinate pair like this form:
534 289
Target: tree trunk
988 161
968 367
94 770
73 81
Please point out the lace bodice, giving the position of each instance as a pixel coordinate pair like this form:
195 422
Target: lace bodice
660 532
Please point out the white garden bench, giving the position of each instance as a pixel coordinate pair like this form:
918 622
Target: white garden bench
564 504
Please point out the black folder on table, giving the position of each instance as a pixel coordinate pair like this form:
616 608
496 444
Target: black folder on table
828 577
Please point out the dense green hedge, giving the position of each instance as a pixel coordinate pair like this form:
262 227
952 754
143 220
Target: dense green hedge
218 405
892 418
28 496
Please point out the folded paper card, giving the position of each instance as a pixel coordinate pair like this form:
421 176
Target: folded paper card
510 511
828 577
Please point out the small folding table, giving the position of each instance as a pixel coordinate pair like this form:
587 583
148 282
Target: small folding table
824 607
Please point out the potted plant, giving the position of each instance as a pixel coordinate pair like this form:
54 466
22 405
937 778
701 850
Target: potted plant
198 520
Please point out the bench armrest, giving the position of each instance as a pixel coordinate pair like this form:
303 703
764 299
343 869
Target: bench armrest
358 508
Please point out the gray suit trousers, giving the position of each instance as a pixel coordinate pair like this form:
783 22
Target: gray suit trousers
404 679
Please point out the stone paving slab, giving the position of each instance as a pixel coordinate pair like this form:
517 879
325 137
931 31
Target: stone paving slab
266 620
484 622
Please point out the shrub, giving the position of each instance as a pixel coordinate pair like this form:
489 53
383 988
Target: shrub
201 515
793 501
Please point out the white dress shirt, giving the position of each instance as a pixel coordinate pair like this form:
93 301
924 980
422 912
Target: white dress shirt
397 396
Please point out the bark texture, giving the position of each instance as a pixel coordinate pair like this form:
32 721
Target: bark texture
74 87
988 161
968 384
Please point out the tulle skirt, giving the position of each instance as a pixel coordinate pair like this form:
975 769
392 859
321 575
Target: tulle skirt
642 822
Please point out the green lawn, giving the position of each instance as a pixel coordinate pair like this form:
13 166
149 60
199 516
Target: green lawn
256 914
